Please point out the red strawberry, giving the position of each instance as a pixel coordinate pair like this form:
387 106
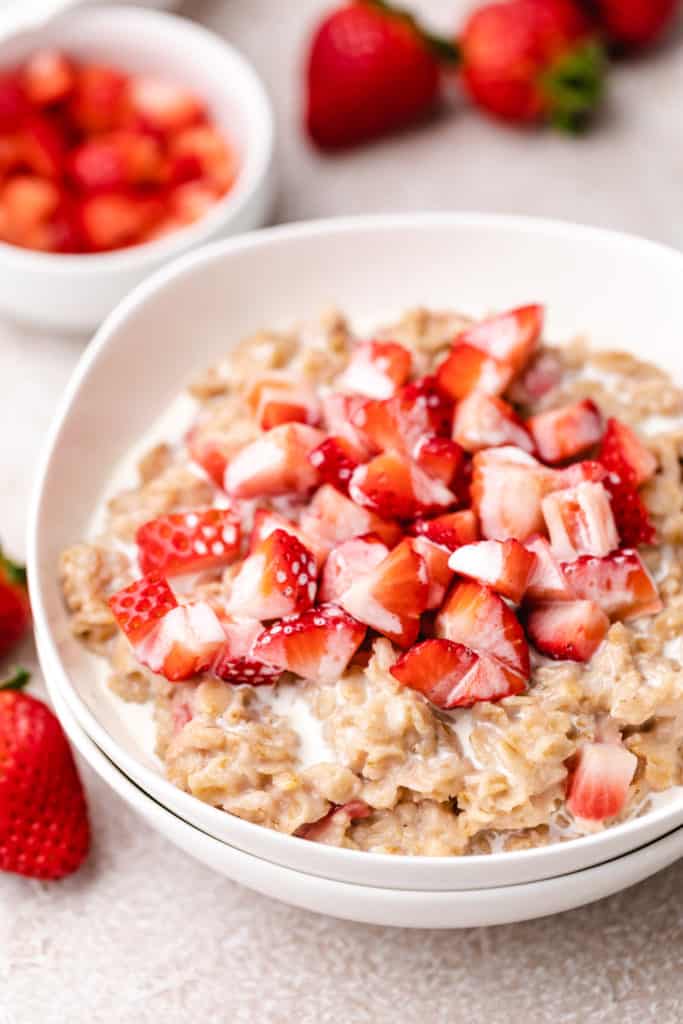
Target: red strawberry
628 463
99 102
564 433
599 783
449 531
511 338
235 662
392 597
581 472
508 488
624 454
15 611
317 645
439 575
377 369
619 583
278 578
531 60
115 160
191 541
266 522
417 412
547 581
43 147
349 560
162 105
451 675
334 460
358 54
485 421
505 566
327 829
28 202
394 487
469 369
116 219
634 24
631 515
14 104
441 459
276 463
218 161
338 414
276 398
210 452
542 375
567 630
183 643
139 607
580 521
332 518
47 77
473 615
44 830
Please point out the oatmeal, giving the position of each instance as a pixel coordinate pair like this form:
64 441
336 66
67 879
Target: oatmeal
419 594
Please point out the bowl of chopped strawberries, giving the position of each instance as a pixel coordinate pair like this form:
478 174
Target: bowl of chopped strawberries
127 136
389 593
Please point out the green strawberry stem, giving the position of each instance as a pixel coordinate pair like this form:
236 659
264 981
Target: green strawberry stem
574 85
13 572
17 681
443 49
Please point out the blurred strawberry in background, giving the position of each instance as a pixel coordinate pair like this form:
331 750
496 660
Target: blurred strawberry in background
633 24
15 612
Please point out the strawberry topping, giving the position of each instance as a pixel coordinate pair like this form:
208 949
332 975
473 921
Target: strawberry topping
278 578
598 786
188 541
451 675
317 645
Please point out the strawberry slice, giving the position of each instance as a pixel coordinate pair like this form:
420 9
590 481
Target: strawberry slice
564 433
477 617
547 581
507 493
338 414
441 459
334 461
347 562
376 369
508 337
317 645
439 575
47 77
451 675
580 521
115 160
467 369
581 472
631 514
599 783
184 642
628 464
162 105
334 824
99 101
276 463
567 630
332 518
392 597
485 421
277 398
419 409
619 583
448 531
235 662
139 607
278 578
621 448
115 219
505 566
396 488
266 522
189 541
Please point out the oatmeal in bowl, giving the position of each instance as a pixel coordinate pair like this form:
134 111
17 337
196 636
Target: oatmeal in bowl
413 592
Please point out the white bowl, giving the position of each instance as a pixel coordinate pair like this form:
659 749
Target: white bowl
368 904
75 292
625 291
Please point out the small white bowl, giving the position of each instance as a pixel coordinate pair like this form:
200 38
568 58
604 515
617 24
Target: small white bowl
75 292
623 291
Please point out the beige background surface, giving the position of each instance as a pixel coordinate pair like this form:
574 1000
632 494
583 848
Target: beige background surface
142 933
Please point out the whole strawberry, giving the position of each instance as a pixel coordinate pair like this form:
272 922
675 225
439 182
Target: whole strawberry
44 831
533 60
15 613
633 24
371 71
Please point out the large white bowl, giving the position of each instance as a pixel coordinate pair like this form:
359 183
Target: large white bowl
75 292
625 291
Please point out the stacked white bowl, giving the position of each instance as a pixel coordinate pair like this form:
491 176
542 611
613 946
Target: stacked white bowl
626 292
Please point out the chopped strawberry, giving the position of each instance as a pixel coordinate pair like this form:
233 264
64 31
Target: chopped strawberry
439 575
211 453
441 459
338 415
580 472
217 159
139 607
547 581
449 531
99 101
115 160
28 202
564 433
331 518
43 147
567 630
419 410
631 514
580 521
467 369
334 824
117 219
334 460
235 662
485 421
277 398
276 463
451 675
183 643
317 645
475 616
396 488
14 104
376 369
599 783
628 464
47 77
266 522
505 566
203 538
542 375
508 337
347 562
278 578
164 106
619 583
508 488
392 597
621 448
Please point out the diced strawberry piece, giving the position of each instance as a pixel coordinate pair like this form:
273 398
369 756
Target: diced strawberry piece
477 617
509 337
27 202
631 515
14 104
627 462
334 824
349 560
598 786
278 578
396 488
191 201
184 167
139 607
622 447
467 369
619 583
184 642
449 531
542 376
567 630
47 77
507 493
418 410
580 521
505 566
334 460
450 675
113 220
211 453
235 662
276 463
217 159
43 147
441 459
162 105
547 581
439 575
189 541
317 644
484 421
564 433
376 369
277 398
392 597
266 522
276 411
99 102
332 518
338 415
580 472
116 159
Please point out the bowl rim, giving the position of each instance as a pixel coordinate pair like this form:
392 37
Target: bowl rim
253 170
662 817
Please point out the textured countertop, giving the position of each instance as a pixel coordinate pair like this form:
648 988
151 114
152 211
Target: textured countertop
144 934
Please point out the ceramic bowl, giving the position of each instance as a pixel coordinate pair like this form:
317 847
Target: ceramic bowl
75 292
625 291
